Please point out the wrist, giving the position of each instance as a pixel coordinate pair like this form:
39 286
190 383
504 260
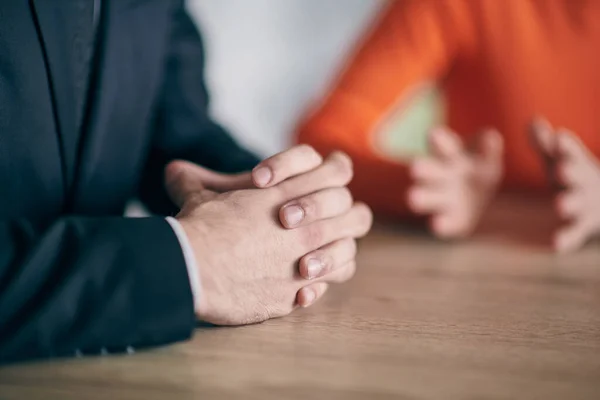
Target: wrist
190 259
194 233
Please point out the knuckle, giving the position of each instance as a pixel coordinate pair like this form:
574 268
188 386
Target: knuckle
351 247
312 206
345 197
349 271
275 194
312 236
345 158
327 261
309 154
342 166
304 149
284 191
365 217
339 255
276 164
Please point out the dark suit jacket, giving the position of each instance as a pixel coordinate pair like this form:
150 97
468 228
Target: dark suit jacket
74 275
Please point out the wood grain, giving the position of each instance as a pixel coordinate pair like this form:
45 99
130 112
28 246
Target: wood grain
496 317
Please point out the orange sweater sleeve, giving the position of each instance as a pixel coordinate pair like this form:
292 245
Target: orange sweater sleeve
413 41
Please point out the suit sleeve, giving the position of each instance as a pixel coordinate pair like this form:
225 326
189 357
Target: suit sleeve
413 41
89 285
184 127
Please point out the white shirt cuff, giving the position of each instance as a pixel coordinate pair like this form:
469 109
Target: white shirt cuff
190 259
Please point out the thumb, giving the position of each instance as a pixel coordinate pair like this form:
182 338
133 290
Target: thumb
542 138
214 180
182 182
490 145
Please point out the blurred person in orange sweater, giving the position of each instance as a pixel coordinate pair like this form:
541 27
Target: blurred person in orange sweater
500 65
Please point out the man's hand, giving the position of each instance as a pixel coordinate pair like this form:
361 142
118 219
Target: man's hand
455 185
274 170
576 173
248 261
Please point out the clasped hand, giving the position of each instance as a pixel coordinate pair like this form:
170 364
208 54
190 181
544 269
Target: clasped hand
270 240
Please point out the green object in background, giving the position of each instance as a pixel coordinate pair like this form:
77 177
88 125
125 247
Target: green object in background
404 134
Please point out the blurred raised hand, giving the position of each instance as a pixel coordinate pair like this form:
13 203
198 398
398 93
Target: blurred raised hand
455 184
575 172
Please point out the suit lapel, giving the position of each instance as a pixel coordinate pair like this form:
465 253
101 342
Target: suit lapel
104 87
124 81
112 104
52 21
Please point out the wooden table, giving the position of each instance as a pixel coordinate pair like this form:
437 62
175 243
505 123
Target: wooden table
498 317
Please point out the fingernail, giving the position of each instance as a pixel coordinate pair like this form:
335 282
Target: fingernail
313 267
293 215
309 297
262 176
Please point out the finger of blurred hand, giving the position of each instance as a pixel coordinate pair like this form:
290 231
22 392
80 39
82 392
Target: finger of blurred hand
446 144
327 259
310 294
570 147
569 204
335 171
572 237
569 174
323 204
353 224
427 199
448 226
295 161
490 145
429 171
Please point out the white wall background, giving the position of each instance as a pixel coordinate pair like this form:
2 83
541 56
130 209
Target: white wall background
267 59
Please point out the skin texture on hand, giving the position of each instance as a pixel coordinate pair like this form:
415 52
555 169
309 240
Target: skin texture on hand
575 172
252 266
454 185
